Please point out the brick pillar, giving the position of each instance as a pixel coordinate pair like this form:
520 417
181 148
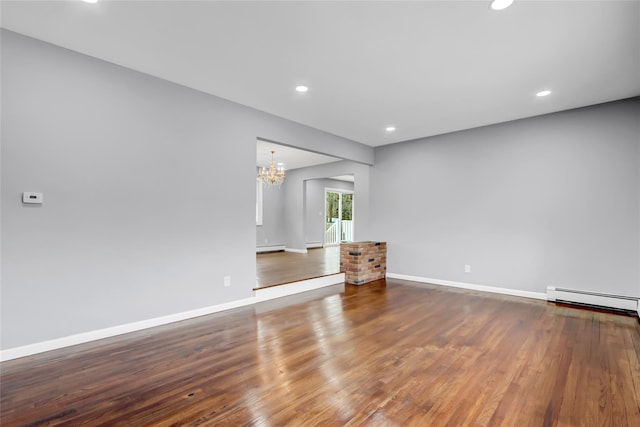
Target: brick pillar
363 262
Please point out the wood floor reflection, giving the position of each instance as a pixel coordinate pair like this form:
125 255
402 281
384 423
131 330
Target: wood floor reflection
390 353
274 268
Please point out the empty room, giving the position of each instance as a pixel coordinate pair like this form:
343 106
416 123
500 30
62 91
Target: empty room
320 213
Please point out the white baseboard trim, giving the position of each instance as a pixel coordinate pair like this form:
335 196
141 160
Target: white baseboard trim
298 287
85 337
483 288
298 251
272 248
314 245
41 347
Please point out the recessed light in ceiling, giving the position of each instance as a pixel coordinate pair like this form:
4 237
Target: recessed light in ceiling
302 89
90 1
500 4
543 93
390 128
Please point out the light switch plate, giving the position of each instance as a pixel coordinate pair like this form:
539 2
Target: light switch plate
31 197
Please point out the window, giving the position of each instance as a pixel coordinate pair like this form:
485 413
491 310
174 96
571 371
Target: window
258 202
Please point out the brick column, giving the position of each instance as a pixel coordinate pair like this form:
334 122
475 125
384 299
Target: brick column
363 262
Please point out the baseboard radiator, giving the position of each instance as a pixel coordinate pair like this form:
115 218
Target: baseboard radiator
272 248
592 299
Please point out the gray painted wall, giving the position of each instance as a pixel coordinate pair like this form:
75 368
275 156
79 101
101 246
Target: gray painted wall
139 175
314 206
149 192
272 231
295 197
551 200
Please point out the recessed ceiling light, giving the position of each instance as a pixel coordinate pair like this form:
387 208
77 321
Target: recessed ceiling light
302 89
90 1
500 4
543 93
390 128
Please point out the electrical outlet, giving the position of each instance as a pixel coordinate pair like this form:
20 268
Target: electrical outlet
467 268
227 281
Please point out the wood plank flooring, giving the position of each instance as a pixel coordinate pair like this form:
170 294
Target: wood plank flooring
391 353
276 268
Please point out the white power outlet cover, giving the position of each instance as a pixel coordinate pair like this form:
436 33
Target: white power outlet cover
31 197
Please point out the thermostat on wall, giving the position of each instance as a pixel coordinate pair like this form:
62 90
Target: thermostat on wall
31 197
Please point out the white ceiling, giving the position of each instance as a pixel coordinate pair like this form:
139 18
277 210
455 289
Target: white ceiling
427 67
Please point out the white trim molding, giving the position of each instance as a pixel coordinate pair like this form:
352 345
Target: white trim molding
259 209
84 337
279 291
314 245
297 251
482 288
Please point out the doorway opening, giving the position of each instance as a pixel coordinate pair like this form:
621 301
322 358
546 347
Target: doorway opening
338 217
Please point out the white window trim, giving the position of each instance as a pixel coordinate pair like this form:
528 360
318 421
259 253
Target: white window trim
258 202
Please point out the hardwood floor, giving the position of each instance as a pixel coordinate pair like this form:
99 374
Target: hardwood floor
383 354
274 268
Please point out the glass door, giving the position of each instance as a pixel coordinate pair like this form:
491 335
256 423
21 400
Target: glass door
338 217
346 217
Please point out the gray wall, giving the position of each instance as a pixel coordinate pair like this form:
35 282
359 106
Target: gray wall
314 206
272 231
149 197
149 192
295 197
551 200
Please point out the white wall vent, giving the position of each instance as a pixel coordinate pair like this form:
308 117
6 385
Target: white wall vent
592 298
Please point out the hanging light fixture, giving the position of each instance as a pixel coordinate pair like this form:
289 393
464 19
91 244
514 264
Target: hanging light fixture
272 176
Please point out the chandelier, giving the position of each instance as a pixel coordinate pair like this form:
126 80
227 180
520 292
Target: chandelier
272 176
